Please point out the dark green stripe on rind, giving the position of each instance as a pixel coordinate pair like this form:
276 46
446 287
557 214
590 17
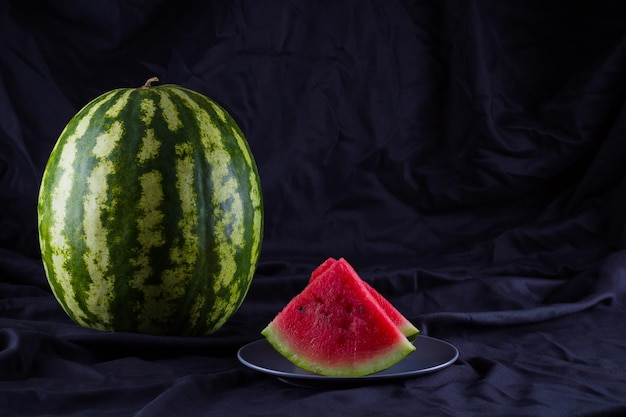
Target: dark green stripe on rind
246 251
135 298
62 167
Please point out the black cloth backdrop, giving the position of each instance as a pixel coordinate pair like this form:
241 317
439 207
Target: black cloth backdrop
466 157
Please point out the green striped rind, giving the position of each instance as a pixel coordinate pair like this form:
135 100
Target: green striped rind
150 213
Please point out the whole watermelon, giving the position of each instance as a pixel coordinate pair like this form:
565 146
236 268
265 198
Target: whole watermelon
150 213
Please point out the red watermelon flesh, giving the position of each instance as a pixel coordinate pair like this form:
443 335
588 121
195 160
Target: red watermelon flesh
335 327
402 322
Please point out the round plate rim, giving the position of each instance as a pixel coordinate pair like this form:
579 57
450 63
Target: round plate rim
243 357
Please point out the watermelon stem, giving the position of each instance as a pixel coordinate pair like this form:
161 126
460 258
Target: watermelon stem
148 83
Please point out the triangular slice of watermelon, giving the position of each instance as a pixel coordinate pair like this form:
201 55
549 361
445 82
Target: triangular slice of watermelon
405 326
335 327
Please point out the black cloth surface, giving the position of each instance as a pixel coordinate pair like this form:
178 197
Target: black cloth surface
466 157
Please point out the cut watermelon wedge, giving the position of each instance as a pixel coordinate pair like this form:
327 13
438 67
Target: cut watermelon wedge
405 326
336 327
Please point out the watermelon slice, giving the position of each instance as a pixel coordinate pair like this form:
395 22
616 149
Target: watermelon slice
402 322
336 327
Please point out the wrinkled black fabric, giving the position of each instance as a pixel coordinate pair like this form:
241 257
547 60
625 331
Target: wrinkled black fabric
466 157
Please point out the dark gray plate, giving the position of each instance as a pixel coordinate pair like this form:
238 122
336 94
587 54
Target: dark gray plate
430 355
